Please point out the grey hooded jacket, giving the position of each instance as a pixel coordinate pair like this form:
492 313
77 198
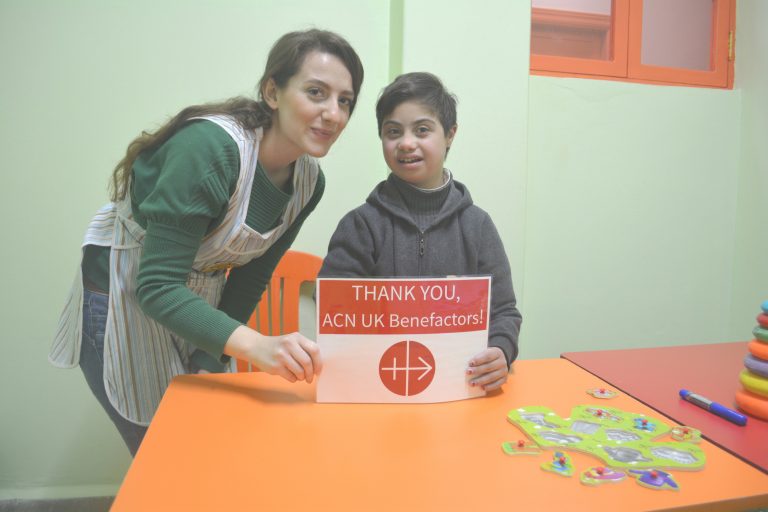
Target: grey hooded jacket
381 239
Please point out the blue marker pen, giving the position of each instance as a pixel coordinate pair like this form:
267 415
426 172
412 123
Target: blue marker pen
714 407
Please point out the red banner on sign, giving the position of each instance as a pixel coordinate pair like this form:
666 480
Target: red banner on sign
408 306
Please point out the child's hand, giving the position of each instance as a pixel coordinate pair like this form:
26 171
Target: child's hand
488 369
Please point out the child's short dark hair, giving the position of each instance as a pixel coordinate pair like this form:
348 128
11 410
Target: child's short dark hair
423 88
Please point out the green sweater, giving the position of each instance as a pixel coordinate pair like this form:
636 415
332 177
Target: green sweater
180 192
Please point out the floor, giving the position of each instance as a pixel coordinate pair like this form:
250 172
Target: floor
92 504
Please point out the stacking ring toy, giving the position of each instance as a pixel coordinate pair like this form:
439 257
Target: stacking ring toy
756 366
754 383
758 349
764 306
762 319
752 404
761 334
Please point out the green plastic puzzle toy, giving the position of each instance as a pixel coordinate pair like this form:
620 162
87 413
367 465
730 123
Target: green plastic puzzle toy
621 440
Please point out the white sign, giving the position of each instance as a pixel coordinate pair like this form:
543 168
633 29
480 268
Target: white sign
400 340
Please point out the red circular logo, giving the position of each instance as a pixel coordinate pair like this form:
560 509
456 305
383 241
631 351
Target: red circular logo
407 368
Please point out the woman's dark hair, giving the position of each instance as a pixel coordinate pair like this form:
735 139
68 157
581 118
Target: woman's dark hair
423 88
285 59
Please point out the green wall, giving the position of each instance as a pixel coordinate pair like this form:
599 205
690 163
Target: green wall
630 212
80 79
482 57
750 272
632 201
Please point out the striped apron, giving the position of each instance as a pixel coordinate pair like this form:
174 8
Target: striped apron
140 355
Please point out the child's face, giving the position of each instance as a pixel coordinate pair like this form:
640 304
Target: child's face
415 144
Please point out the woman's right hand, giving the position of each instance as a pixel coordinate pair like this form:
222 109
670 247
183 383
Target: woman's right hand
291 356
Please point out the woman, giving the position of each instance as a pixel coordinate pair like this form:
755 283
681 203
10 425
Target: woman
220 187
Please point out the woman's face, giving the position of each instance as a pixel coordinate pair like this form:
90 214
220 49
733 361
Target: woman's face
313 108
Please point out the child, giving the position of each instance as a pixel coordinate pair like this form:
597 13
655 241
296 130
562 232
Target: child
421 222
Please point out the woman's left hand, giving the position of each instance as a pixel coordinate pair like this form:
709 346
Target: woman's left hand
488 369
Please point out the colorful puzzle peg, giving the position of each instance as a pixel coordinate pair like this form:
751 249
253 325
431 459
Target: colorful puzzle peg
521 447
601 475
603 393
686 434
644 424
560 464
655 479
602 414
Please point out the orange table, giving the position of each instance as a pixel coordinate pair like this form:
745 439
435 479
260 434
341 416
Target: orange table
655 376
255 442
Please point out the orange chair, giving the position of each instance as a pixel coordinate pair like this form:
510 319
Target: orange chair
278 308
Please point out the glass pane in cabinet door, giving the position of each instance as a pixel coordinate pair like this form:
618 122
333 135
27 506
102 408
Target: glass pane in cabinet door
677 33
572 28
